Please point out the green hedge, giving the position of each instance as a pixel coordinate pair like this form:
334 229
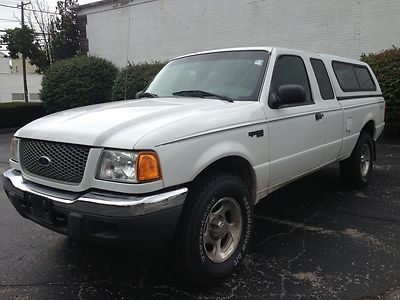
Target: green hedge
134 78
17 114
78 81
386 66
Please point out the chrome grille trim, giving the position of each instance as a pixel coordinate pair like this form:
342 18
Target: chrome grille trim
67 161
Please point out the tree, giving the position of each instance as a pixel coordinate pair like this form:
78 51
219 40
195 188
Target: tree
52 36
41 20
57 33
65 31
386 66
134 78
78 81
22 41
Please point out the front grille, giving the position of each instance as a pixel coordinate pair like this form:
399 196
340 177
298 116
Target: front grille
66 161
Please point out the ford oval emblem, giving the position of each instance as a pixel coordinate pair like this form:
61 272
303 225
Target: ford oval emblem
44 161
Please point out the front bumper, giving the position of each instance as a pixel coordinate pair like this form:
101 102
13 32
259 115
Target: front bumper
114 218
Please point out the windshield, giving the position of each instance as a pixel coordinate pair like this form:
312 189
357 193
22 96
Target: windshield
233 75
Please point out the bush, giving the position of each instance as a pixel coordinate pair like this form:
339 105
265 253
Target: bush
76 82
386 66
134 78
17 114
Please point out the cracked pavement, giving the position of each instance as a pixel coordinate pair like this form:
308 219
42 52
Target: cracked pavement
314 238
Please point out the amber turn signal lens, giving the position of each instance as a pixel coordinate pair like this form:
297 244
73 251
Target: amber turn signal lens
148 167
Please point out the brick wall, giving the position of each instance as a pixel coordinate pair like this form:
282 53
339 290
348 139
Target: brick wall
141 30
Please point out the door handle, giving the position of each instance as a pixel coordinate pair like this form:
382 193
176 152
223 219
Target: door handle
319 116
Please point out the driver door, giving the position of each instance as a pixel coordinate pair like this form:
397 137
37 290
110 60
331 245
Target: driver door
296 131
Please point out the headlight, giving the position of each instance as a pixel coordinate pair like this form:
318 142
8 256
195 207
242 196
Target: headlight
14 150
128 166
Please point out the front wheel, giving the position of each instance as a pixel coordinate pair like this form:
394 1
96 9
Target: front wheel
357 169
215 229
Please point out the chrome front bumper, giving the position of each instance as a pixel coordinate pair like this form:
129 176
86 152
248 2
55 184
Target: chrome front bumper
99 203
97 216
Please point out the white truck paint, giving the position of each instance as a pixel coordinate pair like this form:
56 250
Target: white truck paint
272 145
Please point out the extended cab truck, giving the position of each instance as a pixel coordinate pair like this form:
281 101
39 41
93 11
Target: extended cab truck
212 134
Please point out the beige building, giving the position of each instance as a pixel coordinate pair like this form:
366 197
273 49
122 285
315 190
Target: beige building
11 82
5 64
17 66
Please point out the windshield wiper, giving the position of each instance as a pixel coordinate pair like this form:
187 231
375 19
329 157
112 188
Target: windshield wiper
201 94
146 95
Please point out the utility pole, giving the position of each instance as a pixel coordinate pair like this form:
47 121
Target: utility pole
23 54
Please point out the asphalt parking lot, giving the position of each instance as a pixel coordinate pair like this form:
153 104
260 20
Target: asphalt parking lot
313 239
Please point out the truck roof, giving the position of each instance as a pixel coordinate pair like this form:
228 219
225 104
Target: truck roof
270 49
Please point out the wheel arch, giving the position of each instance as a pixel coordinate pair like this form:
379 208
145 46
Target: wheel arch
369 127
236 165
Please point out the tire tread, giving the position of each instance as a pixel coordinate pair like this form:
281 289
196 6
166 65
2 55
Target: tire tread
200 188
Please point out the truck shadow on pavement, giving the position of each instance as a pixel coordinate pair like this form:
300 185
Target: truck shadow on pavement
313 238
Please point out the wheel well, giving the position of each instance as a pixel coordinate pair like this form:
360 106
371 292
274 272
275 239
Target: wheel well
236 165
369 127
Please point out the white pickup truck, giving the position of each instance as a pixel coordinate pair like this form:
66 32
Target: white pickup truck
212 134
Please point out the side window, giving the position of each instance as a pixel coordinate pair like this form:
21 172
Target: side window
323 81
364 78
353 78
346 76
290 69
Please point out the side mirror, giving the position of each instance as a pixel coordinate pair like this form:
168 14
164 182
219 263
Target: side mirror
139 95
288 94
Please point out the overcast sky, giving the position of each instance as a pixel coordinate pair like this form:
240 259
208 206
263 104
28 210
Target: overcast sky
7 15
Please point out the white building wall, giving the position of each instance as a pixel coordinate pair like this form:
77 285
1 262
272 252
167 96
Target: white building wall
12 84
140 30
4 65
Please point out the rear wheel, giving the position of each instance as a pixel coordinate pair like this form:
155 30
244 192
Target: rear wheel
357 169
215 229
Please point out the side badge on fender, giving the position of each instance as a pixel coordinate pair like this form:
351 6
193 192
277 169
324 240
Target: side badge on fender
258 133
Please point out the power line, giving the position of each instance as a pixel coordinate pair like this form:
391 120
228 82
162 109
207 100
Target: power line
30 9
13 20
9 2
8 20
8 6
42 11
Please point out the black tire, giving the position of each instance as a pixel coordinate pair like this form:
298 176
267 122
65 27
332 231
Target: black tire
190 251
352 170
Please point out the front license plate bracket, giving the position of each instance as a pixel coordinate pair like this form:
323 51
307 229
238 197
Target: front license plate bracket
41 208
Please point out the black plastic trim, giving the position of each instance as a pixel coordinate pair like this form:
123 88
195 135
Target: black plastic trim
358 97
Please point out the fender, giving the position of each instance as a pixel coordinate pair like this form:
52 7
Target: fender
219 151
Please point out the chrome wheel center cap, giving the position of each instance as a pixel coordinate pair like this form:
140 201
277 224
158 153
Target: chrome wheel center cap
219 227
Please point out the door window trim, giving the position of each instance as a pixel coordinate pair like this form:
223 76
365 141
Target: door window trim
311 102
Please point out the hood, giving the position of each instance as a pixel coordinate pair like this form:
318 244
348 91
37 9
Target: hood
122 124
